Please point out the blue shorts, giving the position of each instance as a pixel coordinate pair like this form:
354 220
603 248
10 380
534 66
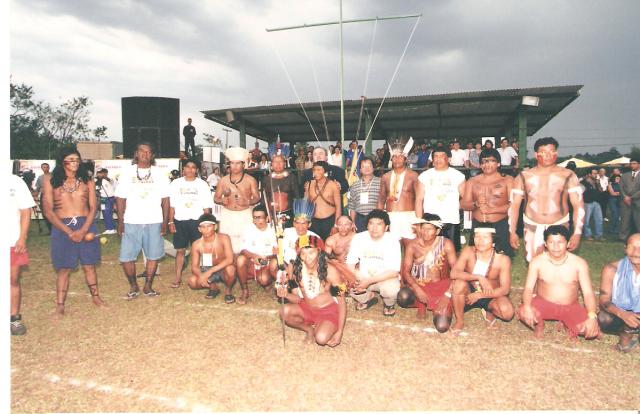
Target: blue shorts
65 253
144 237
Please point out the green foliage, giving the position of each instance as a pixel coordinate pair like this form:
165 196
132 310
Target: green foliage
38 129
635 152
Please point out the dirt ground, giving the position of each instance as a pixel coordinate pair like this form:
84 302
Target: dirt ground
180 352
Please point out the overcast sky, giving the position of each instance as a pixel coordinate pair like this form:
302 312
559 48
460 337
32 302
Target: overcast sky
216 54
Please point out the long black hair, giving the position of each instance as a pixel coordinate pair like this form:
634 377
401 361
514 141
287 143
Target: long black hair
322 267
58 175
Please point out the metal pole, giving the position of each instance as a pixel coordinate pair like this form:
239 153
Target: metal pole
226 140
303 26
341 81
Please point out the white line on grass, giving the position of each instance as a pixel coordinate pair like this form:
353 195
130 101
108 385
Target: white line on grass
563 348
179 403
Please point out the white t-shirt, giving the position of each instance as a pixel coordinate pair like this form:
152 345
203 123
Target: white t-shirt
260 242
506 155
458 157
289 239
213 180
441 194
144 195
106 189
375 256
19 199
190 198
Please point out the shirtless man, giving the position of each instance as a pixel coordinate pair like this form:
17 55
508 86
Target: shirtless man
425 271
487 196
337 245
398 194
212 260
237 193
280 187
257 259
69 201
620 297
549 189
325 195
482 279
313 306
558 276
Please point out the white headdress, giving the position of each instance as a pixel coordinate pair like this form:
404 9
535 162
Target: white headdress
237 154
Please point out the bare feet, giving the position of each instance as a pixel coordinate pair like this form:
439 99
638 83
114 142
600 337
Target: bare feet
176 284
538 330
58 313
244 297
456 329
422 313
308 338
97 300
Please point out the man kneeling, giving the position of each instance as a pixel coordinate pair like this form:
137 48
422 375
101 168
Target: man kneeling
212 260
620 297
311 307
257 259
482 279
559 275
425 272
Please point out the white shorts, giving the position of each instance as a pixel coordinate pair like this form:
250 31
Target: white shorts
233 224
401 224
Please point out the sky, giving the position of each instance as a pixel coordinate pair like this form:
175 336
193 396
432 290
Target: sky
217 54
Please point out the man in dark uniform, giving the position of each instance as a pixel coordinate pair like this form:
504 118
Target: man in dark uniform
189 133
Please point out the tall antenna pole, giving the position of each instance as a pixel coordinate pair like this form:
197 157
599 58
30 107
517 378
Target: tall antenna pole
341 81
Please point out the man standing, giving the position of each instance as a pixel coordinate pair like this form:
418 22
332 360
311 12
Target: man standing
425 271
591 196
281 188
508 155
549 189
189 198
363 195
237 193
603 199
482 279
107 200
423 156
325 195
377 254
459 157
257 259
256 154
142 197
556 276
398 193
333 172
70 205
302 214
620 297
46 176
630 206
487 196
439 191
189 133
20 204
312 307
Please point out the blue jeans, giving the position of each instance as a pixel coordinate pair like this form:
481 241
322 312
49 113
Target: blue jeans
107 213
593 209
614 209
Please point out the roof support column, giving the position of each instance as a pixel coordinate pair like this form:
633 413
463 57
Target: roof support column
368 124
522 136
242 129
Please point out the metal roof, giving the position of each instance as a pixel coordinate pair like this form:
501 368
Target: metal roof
442 116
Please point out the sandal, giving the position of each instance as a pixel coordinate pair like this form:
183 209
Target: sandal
389 310
132 295
152 293
367 304
229 299
626 348
212 294
176 285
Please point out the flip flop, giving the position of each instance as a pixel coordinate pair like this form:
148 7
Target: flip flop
152 293
175 285
389 310
229 299
367 304
132 295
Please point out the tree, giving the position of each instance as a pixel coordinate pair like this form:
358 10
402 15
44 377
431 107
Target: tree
38 128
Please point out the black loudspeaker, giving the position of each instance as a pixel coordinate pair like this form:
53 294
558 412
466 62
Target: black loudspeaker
152 119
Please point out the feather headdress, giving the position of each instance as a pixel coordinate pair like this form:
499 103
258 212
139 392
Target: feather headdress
401 146
303 208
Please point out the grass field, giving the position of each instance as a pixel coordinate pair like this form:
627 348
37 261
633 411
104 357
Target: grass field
180 352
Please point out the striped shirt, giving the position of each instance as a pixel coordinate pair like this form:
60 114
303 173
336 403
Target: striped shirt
356 196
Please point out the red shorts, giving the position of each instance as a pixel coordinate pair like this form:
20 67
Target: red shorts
435 292
314 316
19 259
570 315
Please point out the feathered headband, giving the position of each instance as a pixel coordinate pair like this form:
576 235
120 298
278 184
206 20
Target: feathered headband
309 241
303 208
400 147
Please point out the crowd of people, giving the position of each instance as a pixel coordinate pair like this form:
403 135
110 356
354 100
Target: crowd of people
314 241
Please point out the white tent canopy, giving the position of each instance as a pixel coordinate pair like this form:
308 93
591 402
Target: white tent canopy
618 161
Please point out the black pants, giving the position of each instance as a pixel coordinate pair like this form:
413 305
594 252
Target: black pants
611 324
322 227
188 141
502 235
361 223
452 232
